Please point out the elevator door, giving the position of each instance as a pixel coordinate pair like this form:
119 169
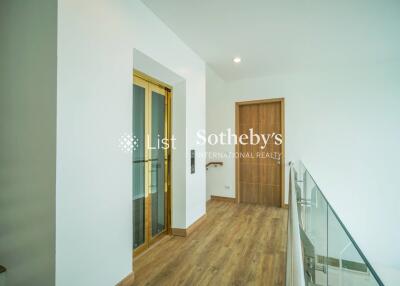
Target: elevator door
150 164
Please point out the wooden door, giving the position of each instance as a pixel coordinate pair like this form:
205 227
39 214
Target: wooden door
260 164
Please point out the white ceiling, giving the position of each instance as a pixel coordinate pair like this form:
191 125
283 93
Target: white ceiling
281 36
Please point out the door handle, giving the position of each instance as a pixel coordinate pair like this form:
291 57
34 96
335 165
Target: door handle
144 161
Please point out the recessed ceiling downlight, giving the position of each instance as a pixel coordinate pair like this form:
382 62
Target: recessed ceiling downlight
237 60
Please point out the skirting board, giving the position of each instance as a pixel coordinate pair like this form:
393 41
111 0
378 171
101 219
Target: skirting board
187 231
127 281
219 198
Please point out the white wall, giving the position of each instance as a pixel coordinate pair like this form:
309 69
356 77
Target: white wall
28 57
96 40
220 181
344 125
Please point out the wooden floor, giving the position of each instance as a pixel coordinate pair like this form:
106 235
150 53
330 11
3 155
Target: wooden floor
237 244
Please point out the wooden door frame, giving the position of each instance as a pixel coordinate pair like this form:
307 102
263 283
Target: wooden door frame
237 150
146 81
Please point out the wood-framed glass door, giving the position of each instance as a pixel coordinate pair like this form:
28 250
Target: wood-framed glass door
151 166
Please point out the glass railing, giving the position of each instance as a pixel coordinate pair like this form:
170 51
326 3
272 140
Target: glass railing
328 253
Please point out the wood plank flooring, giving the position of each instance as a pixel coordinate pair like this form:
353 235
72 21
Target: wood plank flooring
237 244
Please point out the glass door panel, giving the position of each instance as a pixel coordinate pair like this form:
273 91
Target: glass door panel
158 156
151 112
138 161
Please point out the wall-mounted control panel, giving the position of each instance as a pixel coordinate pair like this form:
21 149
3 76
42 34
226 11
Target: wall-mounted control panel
192 162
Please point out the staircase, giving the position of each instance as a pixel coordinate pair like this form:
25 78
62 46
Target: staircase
320 250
